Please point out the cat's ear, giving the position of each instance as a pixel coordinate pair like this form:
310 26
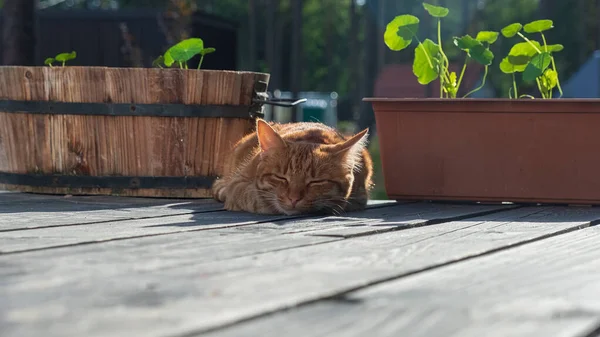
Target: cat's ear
267 137
355 144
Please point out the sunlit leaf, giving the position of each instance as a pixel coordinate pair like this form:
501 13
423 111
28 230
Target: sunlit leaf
549 79
186 49
465 42
436 11
450 86
487 36
422 68
508 67
536 66
49 61
475 49
399 32
207 51
511 30
168 59
521 53
64 57
538 26
553 48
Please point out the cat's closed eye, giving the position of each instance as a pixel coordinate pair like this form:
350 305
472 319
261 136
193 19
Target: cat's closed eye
321 182
278 178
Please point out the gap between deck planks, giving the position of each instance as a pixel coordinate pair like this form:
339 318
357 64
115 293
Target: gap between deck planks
164 286
371 220
20 211
546 288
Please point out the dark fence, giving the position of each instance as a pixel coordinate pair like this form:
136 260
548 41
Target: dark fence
98 37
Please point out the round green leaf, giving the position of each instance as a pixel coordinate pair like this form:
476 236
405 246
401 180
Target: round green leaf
524 50
507 67
465 42
511 30
482 55
49 61
487 36
475 49
536 66
206 51
553 48
159 61
425 71
519 62
538 26
64 57
168 59
436 11
549 79
186 49
399 32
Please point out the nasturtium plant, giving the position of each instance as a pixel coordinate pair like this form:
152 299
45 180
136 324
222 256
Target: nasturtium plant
62 57
487 36
184 51
533 59
399 33
430 61
511 30
538 26
427 62
203 52
159 61
49 61
436 11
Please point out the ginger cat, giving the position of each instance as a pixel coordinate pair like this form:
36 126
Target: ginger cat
296 168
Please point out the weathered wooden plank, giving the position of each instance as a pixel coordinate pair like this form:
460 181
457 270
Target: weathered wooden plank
36 211
148 287
44 238
547 288
422 214
29 211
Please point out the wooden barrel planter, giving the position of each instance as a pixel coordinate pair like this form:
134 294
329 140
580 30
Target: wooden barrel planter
122 131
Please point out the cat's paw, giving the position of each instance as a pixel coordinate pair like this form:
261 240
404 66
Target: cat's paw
219 190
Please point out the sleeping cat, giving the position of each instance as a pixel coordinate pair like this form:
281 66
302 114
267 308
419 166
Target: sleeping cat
296 168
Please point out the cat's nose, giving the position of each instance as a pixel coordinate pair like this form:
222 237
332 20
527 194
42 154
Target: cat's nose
294 200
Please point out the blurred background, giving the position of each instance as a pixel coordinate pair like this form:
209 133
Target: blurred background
328 51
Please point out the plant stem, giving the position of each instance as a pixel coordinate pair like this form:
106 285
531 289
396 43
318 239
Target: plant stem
529 41
200 63
63 63
180 64
447 63
439 34
537 80
462 73
426 54
482 83
515 85
557 81
545 44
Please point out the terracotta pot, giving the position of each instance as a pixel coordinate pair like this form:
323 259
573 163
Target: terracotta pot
541 151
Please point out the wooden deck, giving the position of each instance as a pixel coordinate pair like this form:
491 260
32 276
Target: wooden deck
105 266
